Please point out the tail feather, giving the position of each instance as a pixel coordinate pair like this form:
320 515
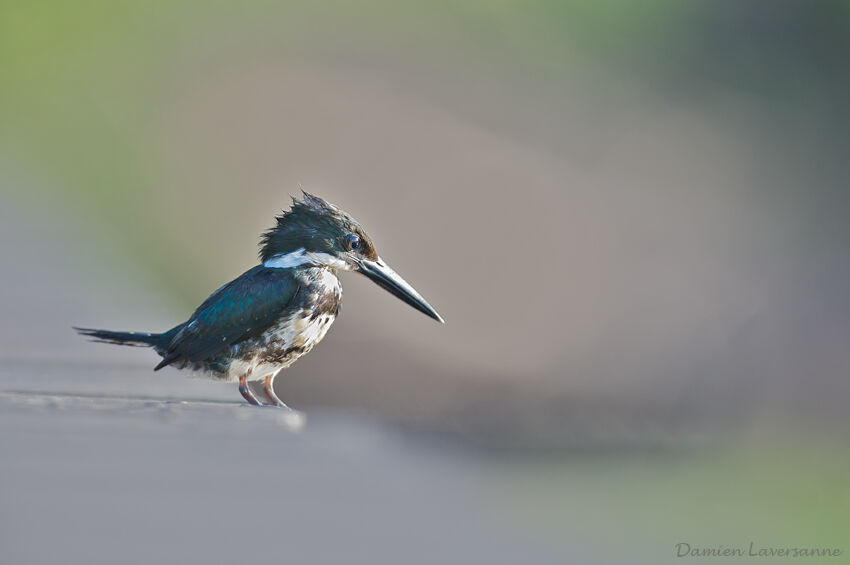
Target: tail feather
137 339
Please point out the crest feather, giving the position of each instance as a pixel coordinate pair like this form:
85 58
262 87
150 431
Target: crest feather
311 222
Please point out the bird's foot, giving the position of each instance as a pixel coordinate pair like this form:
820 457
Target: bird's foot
291 418
268 388
246 392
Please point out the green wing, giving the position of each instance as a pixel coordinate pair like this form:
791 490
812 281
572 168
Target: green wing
239 310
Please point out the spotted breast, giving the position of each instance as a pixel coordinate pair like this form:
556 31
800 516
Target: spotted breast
308 318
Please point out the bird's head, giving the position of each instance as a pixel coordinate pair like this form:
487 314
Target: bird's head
315 232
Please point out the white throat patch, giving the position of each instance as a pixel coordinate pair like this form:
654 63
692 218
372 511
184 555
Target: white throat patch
289 260
302 257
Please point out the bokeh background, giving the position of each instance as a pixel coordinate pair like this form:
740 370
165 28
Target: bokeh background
632 215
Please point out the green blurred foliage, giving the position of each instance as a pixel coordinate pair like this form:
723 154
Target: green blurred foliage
82 82
774 495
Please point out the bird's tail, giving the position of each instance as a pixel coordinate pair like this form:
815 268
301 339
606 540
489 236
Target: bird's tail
138 339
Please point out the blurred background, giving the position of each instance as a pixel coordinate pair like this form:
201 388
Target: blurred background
632 215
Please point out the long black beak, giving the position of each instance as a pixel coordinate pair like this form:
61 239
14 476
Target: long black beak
389 280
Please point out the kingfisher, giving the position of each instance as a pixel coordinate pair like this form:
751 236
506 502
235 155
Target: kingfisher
264 320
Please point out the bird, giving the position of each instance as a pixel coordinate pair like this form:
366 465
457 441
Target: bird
276 312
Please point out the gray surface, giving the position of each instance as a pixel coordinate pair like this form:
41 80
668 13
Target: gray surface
125 476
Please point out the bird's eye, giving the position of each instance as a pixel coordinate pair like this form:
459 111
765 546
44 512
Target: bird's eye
352 242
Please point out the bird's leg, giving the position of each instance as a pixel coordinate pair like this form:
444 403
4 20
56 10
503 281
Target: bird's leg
246 392
271 394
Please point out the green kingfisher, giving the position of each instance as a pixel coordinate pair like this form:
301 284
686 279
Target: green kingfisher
264 320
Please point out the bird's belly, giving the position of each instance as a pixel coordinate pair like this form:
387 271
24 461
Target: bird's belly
280 346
